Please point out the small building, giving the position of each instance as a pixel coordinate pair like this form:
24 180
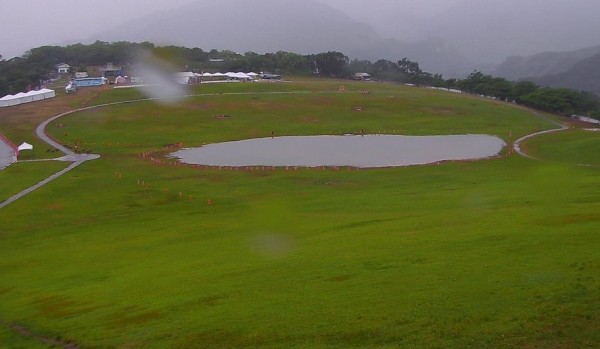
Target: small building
81 74
63 68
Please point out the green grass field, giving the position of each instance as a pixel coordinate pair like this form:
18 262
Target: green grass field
573 147
125 253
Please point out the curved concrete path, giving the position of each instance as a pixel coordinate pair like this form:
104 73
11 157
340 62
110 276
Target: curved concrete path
70 156
517 143
79 159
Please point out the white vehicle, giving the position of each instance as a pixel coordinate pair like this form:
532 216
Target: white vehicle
71 88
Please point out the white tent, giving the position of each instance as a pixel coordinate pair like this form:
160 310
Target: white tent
244 76
7 101
182 80
22 97
48 93
36 96
25 146
185 77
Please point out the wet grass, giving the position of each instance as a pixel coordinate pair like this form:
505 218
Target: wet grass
491 254
20 176
573 147
11 339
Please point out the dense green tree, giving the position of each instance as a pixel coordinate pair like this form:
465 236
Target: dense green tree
523 88
22 73
547 99
387 70
330 63
500 88
409 67
361 66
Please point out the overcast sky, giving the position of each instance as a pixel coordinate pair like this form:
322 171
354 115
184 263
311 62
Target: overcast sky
33 23
484 30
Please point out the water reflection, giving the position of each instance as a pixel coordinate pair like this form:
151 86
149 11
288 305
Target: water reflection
352 150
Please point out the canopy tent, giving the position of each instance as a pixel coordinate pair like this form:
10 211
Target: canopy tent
26 97
9 101
25 146
186 74
238 76
189 77
185 78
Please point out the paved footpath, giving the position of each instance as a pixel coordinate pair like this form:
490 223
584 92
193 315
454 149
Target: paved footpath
517 143
70 156
78 159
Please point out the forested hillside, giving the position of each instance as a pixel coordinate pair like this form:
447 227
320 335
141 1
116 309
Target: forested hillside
38 65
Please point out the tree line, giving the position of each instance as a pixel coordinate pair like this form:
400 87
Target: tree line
562 101
37 65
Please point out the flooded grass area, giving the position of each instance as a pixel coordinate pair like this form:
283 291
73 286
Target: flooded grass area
123 252
364 151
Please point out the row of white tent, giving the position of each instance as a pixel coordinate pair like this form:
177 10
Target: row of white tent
26 97
184 77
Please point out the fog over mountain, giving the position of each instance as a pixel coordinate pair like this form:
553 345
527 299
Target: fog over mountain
272 25
443 35
486 31
584 75
544 63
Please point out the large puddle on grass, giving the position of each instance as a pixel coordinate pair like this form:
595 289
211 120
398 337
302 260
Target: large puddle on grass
352 150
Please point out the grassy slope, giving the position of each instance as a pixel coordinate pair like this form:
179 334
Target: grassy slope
9 339
20 176
498 253
574 147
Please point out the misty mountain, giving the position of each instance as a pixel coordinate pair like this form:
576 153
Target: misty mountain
491 30
398 19
542 64
282 25
585 75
